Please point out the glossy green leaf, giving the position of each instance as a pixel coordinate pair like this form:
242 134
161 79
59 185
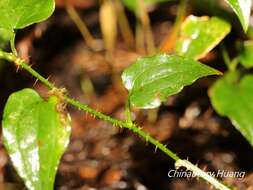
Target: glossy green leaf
16 14
246 54
233 98
242 8
152 79
35 136
199 35
132 4
5 36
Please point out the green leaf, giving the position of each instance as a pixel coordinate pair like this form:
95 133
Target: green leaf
199 35
35 136
233 98
5 35
5 38
246 54
250 32
152 79
242 9
132 4
17 14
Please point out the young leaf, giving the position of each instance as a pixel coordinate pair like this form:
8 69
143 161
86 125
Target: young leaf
242 8
17 14
152 79
199 35
246 55
233 98
35 136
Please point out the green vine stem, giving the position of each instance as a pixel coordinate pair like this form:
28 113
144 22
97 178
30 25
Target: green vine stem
230 64
12 44
115 122
128 111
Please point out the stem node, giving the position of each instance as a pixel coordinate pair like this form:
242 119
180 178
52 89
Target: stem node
115 122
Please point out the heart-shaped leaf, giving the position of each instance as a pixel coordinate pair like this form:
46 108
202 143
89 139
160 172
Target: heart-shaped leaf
17 14
233 98
199 35
242 8
246 54
152 79
35 136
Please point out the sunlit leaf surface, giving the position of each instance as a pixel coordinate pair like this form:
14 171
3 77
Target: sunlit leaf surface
242 8
16 14
199 35
35 136
152 79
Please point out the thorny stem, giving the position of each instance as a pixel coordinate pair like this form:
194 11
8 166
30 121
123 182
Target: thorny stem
122 124
115 122
199 173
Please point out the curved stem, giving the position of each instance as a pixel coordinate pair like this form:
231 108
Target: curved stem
225 56
12 43
199 173
122 124
230 64
119 123
128 111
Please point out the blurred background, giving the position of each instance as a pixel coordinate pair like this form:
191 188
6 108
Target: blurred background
84 47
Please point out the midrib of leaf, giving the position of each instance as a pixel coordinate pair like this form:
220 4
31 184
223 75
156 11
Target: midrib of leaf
154 65
133 80
155 81
167 75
